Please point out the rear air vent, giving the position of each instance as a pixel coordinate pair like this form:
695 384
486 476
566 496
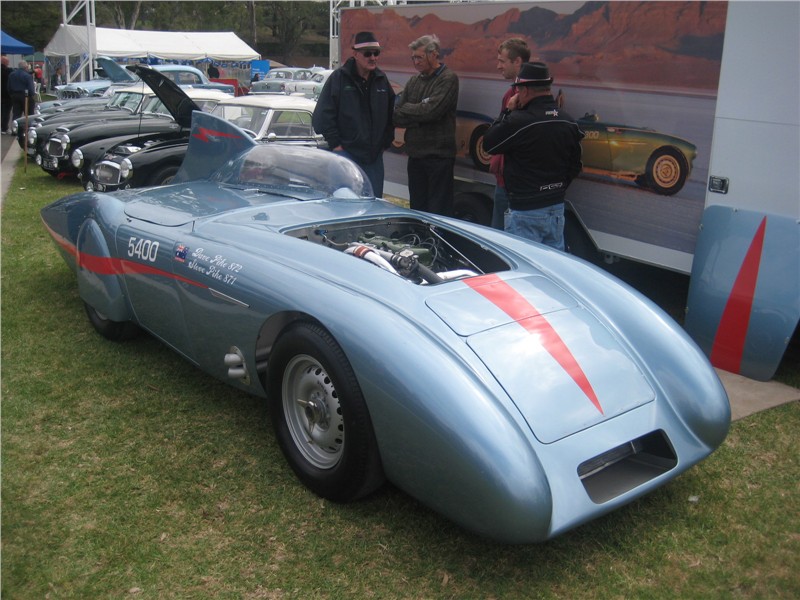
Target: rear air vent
625 467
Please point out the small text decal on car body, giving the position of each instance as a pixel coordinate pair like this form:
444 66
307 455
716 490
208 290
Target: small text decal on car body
217 267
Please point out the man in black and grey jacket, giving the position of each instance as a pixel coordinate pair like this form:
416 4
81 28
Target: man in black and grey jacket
354 110
427 109
541 145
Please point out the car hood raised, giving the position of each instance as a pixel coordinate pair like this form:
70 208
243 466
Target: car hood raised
174 98
563 369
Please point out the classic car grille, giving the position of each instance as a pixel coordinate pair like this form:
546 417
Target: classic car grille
69 94
54 148
107 173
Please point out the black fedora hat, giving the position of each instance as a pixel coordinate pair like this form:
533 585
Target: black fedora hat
534 74
365 39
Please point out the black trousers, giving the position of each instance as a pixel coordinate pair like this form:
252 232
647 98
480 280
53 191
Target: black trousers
6 106
18 104
430 184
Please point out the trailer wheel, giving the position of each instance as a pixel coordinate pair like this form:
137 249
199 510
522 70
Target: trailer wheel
473 207
667 170
480 158
577 241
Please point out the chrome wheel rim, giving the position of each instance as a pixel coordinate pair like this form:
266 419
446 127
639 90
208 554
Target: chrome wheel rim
313 412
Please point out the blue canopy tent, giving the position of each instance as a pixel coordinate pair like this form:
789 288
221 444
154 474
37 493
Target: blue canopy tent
10 45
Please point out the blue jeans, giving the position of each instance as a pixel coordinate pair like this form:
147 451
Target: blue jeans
500 207
373 171
543 225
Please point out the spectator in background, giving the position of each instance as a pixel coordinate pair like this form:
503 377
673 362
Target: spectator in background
213 71
427 109
21 90
6 97
354 110
57 79
510 56
542 148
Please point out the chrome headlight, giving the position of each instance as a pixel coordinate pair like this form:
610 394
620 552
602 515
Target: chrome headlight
14 127
77 158
125 168
32 137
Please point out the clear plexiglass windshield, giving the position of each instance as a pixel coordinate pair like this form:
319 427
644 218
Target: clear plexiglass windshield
296 171
127 100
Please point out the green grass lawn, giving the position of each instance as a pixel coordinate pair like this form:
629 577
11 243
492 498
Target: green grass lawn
126 472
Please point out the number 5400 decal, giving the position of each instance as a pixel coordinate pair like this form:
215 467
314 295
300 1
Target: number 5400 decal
142 249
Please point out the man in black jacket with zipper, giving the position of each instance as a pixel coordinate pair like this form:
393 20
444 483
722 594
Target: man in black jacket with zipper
541 145
354 110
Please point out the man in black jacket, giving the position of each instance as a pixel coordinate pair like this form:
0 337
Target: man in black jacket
354 110
542 149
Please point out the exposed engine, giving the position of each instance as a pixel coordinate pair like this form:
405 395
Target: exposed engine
415 250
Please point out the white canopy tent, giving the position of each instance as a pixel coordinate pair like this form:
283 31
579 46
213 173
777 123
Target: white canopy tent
73 40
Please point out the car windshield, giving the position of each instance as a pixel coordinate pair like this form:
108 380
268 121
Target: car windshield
156 106
127 100
297 172
247 117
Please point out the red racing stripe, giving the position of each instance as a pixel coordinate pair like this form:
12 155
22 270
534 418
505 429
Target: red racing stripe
511 302
102 265
728 348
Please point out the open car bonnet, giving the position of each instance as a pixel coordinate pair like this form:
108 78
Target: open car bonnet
115 72
541 345
179 105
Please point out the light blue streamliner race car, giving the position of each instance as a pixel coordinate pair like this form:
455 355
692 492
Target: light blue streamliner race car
518 391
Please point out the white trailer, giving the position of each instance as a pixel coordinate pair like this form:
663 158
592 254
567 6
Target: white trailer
692 154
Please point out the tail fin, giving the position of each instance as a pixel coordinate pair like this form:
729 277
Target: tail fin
212 143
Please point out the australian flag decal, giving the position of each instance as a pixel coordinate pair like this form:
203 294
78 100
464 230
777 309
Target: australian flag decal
181 251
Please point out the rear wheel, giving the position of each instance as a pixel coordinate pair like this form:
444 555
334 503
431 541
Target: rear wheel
667 170
116 331
320 417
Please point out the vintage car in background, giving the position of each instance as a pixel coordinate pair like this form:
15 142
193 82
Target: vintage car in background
514 389
112 74
123 103
653 160
188 76
279 81
155 159
310 88
183 75
66 149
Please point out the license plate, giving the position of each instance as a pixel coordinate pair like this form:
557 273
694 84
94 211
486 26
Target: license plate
50 163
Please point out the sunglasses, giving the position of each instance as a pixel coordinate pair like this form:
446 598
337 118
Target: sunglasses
371 53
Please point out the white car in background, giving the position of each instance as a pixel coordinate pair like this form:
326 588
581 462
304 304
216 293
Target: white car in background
310 88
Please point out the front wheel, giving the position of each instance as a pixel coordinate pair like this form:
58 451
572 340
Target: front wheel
667 170
164 176
320 417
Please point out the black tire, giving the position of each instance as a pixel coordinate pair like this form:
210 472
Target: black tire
164 176
480 158
473 207
667 170
320 417
116 331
